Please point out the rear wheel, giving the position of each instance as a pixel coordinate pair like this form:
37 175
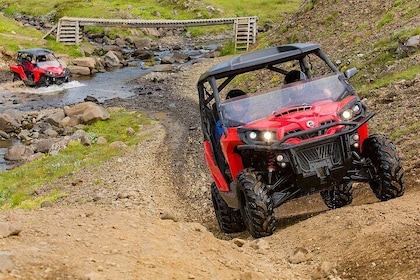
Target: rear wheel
257 206
388 174
339 196
229 219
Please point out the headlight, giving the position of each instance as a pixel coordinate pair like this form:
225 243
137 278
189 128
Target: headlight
347 115
258 137
351 111
268 136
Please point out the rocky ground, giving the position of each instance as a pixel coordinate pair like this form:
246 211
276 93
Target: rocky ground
148 214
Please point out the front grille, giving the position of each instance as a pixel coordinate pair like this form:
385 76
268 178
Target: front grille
327 155
312 134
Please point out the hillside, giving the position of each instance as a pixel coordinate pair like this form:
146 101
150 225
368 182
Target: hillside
148 214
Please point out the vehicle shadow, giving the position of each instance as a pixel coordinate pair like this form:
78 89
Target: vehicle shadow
286 221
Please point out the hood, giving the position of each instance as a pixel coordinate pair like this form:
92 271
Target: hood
300 118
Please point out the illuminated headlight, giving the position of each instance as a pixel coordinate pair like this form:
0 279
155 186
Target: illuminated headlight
259 137
347 115
253 135
352 111
268 136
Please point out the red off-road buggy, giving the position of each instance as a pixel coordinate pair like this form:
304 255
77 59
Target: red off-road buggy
282 123
39 67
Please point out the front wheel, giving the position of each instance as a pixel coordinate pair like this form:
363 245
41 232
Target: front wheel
229 219
339 196
16 77
256 204
388 174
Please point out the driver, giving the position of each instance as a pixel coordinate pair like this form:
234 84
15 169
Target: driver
28 65
298 78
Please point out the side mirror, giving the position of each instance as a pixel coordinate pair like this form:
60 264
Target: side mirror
350 72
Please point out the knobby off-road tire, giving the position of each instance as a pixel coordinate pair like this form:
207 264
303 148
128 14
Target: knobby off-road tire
256 204
388 181
339 196
16 77
229 219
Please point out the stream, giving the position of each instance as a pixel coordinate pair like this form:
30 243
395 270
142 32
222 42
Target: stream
101 86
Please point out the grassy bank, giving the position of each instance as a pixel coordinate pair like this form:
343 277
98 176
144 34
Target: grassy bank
19 186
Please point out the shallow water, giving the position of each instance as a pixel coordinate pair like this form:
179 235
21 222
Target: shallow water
102 86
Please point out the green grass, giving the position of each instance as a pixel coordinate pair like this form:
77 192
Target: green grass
268 11
385 20
17 186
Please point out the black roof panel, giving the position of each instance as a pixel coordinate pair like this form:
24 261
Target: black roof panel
258 59
36 51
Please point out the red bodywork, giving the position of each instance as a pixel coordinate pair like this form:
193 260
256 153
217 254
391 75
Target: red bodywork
39 67
320 112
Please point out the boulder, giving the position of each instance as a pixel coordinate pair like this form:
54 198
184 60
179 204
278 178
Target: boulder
142 44
94 113
89 62
8 124
55 118
164 68
111 59
18 153
79 70
43 145
77 109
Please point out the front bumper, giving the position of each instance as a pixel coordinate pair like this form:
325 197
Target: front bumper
324 156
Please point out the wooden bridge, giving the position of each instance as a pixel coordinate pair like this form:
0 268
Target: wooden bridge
70 29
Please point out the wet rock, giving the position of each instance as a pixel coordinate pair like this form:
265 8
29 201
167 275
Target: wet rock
142 44
165 68
181 57
89 62
90 98
18 153
79 70
8 123
111 59
143 54
167 60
